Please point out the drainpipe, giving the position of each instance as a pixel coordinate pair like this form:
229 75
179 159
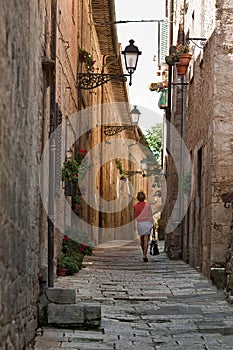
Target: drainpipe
170 16
181 164
52 150
101 184
181 145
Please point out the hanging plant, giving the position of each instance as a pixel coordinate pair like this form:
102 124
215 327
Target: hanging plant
74 168
185 48
172 59
159 86
120 168
87 58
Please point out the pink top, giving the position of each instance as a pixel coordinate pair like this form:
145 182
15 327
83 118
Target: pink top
142 212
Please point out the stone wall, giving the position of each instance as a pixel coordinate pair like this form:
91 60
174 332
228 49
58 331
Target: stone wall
223 125
20 139
103 46
38 89
208 135
209 129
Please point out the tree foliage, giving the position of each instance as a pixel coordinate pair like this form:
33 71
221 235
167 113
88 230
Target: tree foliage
154 139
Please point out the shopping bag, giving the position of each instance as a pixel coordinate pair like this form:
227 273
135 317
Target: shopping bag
154 250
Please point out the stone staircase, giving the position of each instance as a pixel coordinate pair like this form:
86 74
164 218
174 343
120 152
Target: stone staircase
60 309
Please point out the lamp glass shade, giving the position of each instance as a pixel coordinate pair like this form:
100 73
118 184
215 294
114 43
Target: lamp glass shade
135 118
131 60
131 54
143 165
135 114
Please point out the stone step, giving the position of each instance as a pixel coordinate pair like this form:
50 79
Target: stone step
61 295
74 315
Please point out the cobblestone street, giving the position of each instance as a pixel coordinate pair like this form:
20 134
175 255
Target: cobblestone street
163 305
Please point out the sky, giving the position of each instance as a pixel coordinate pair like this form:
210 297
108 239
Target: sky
146 39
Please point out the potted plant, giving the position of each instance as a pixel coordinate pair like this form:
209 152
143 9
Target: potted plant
86 57
75 167
183 52
85 249
61 267
183 48
159 86
70 170
152 86
69 262
70 247
181 68
72 256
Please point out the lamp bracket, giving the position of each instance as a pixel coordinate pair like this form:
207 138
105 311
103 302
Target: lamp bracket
176 84
111 130
129 173
228 205
183 85
88 81
201 44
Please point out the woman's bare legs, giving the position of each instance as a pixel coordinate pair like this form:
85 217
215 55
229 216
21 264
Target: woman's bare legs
144 245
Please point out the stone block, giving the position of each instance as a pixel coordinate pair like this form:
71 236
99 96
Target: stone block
73 315
61 295
218 276
92 314
66 315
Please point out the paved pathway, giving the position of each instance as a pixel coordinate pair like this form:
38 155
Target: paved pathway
162 305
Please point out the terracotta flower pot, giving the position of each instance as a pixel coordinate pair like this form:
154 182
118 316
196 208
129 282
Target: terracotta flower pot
61 271
181 69
184 58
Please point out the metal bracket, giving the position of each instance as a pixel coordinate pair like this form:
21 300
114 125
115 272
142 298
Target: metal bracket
228 205
202 42
183 85
111 130
180 84
130 173
88 81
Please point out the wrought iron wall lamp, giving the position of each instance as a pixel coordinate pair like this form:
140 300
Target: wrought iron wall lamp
111 130
89 81
129 173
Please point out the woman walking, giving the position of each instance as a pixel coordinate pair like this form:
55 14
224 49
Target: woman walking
143 215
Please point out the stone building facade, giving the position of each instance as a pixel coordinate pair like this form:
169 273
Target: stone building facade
40 68
21 144
203 105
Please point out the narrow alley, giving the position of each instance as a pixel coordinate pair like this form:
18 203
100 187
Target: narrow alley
163 304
